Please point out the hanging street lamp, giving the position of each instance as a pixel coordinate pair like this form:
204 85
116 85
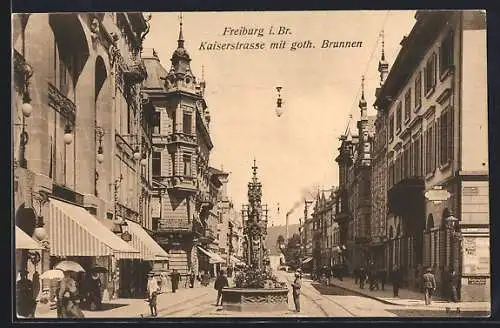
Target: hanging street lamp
279 103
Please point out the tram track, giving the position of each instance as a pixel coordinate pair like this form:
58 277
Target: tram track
315 298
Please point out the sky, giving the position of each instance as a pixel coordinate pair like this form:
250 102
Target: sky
295 153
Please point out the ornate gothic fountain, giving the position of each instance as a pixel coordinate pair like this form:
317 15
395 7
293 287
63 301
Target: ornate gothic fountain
257 290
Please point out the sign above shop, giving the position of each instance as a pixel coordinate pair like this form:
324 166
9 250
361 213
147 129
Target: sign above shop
476 281
126 236
437 194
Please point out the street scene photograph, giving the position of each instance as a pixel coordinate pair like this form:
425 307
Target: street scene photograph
281 164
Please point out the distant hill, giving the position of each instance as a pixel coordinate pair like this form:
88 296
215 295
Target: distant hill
274 232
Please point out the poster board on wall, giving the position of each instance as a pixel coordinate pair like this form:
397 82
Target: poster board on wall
476 256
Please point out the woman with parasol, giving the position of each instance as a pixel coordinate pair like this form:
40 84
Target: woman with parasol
68 295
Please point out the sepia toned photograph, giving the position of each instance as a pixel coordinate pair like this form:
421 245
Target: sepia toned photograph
279 164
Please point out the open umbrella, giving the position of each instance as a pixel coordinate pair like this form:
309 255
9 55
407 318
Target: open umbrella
52 274
69 266
99 269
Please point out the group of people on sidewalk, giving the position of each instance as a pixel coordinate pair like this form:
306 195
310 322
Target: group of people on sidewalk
428 281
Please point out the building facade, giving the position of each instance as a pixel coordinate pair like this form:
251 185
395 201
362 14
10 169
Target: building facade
81 142
355 170
184 213
435 102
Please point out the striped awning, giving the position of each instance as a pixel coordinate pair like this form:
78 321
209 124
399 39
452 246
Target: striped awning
75 232
23 241
214 258
148 249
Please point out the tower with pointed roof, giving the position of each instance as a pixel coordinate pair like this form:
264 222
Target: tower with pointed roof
182 144
379 172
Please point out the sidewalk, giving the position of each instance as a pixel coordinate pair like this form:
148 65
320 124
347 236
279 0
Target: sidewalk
407 297
138 307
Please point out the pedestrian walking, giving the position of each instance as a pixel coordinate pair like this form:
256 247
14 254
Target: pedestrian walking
153 291
429 282
362 275
175 277
296 285
356 275
220 283
454 285
396 280
382 276
191 279
372 276
69 297
24 295
95 291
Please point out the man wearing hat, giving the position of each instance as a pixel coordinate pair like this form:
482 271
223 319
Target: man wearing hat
429 285
296 291
24 295
153 291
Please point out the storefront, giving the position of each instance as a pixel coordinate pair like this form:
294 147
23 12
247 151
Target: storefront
75 234
209 261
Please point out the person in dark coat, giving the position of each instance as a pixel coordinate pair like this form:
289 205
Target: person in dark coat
95 291
396 280
362 277
191 279
220 283
372 276
296 285
175 277
382 277
429 282
24 295
454 285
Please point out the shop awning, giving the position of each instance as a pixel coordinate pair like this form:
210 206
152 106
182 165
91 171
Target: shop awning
75 232
307 260
214 258
148 248
23 241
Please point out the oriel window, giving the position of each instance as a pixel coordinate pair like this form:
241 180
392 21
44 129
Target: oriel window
187 165
186 123
156 163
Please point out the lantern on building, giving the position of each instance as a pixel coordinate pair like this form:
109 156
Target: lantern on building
68 136
137 153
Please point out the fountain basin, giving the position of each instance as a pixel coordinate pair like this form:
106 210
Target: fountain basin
255 299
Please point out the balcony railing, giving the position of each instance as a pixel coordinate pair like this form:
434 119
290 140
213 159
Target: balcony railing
174 225
125 212
61 103
181 182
